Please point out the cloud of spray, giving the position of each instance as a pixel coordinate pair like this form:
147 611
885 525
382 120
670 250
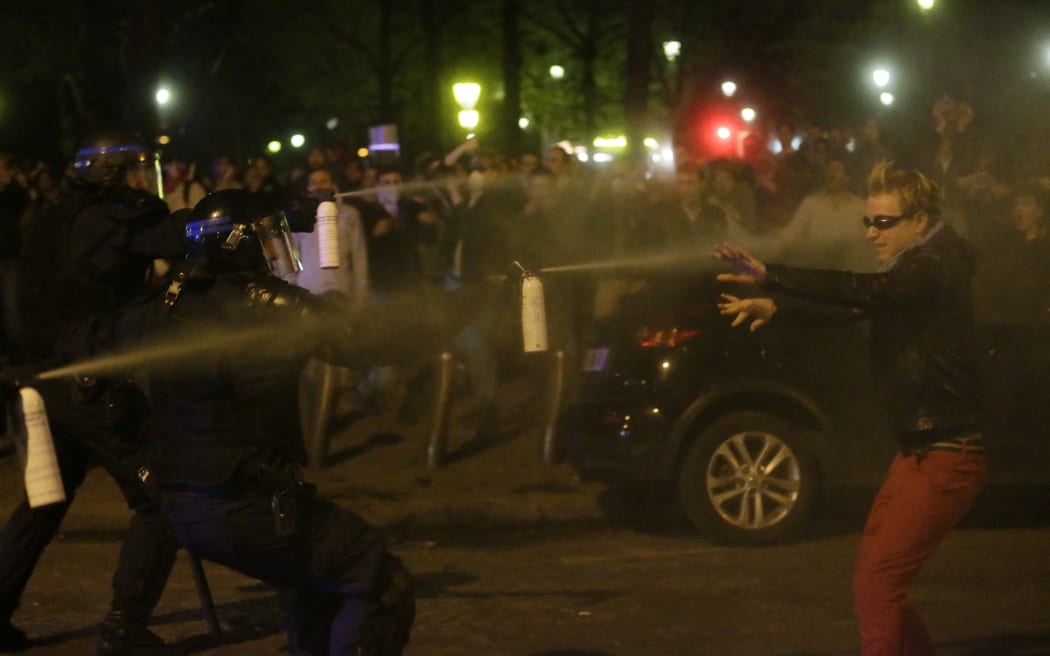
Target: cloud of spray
406 329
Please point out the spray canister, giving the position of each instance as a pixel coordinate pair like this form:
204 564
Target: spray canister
43 480
328 234
533 313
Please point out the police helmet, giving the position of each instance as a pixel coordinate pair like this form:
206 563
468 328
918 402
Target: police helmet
115 158
233 232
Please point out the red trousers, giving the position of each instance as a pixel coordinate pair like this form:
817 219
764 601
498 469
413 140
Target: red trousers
922 499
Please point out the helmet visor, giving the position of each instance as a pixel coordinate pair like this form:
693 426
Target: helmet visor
275 237
145 176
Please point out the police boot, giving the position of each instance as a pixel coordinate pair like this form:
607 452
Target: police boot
12 638
122 635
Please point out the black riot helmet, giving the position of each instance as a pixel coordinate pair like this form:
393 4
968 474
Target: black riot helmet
118 158
232 232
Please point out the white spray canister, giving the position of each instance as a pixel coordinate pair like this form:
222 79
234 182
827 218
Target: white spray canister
533 314
43 480
328 234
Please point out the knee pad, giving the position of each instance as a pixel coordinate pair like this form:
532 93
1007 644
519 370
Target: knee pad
386 631
400 601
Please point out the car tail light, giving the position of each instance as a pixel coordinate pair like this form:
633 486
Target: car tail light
664 338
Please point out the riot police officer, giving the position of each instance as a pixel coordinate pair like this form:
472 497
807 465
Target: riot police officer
226 432
90 253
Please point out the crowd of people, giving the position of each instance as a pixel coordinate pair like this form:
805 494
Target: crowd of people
460 222
472 211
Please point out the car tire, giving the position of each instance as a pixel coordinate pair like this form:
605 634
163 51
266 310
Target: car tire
748 480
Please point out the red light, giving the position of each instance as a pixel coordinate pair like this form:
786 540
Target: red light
670 338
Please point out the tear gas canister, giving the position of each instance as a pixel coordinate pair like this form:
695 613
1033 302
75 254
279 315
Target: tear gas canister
533 314
43 480
328 234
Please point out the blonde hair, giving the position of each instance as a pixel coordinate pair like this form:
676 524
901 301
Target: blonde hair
917 192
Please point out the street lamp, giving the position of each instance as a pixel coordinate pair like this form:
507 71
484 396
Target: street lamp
748 114
557 72
881 77
468 118
672 49
274 146
467 94
729 88
297 140
163 96
926 5
886 98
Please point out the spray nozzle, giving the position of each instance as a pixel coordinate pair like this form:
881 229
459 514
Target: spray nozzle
525 273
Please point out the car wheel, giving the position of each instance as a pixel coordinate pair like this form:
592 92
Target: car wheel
747 480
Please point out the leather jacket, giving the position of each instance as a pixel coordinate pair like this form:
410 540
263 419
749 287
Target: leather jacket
922 335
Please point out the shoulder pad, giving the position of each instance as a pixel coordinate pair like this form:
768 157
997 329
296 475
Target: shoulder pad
132 204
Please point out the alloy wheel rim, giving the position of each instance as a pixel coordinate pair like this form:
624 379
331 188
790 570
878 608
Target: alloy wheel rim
753 480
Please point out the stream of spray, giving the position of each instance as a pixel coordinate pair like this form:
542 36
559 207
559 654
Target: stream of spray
402 187
678 260
169 353
410 324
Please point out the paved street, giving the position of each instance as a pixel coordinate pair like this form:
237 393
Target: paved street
600 591
514 558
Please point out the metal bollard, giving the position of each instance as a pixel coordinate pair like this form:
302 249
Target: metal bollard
204 594
438 441
319 438
550 450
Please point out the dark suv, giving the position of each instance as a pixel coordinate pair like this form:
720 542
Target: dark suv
751 427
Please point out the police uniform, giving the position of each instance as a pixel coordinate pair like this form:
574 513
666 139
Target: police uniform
90 253
225 428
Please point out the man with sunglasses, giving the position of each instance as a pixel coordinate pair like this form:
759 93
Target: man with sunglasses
919 303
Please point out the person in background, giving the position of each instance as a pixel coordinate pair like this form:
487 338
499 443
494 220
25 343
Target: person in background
823 232
14 199
321 381
182 188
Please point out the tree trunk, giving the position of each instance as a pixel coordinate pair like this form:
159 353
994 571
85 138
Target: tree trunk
636 94
438 121
510 132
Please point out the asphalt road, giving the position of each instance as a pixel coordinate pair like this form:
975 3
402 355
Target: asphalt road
601 590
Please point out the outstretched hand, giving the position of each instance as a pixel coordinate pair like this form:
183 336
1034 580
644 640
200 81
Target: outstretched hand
748 269
759 311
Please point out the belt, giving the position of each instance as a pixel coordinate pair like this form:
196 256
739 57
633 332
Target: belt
967 444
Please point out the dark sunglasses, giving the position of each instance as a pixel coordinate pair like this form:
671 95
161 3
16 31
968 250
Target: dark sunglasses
883 221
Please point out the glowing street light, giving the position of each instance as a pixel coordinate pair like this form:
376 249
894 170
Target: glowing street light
468 118
557 72
729 88
723 133
748 114
672 49
926 5
523 122
274 146
881 77
297 140
163 96
886 98
466 94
